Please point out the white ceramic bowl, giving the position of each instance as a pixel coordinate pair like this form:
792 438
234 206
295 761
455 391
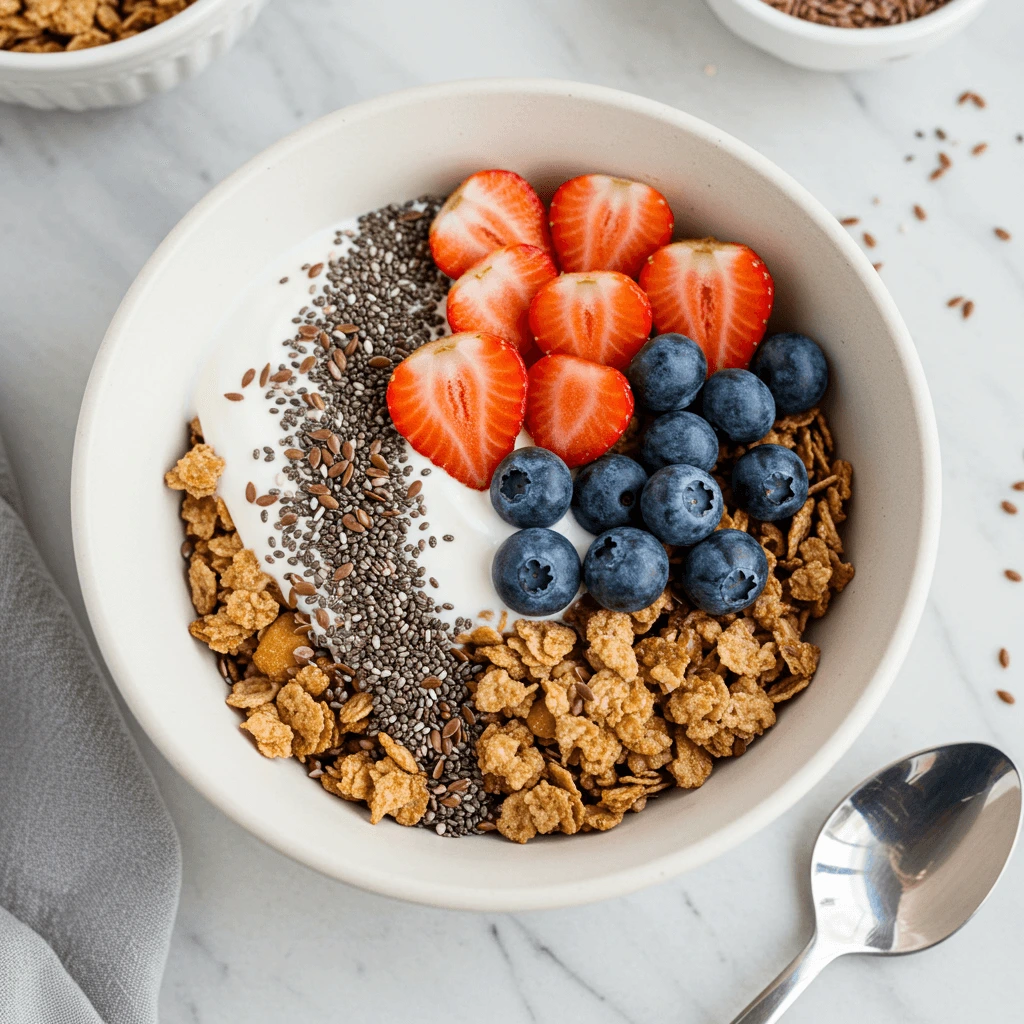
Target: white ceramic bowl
127 530
825 48
131 70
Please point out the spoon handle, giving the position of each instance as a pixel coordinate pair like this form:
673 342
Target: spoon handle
777 998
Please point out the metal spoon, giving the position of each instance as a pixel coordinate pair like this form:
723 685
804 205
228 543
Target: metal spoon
904 861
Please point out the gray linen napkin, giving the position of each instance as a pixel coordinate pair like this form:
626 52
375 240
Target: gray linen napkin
90 867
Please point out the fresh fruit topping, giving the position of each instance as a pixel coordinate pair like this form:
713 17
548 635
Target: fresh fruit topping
607 493
738 405
681 504
460 401
725 573
794 368
488 210
575 408
625 569
679 438
604 223
718 293
494 295
531 487
770 482
536 572
602 316
668 372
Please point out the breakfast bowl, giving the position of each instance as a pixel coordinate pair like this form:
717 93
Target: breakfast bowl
128 70
822 47
127 528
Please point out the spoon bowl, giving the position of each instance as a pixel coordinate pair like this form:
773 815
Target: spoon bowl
905 861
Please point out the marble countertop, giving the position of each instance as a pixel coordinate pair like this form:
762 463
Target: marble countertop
84 200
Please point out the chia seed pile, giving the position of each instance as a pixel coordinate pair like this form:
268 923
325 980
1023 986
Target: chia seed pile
354 526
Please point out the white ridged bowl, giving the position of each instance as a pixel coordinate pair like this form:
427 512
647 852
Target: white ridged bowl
129 71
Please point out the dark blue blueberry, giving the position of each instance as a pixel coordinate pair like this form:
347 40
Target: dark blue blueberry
738 405
607 493
536 572
625 569
725 573
681 504
769 482
531 487
679 437
794 368
667 372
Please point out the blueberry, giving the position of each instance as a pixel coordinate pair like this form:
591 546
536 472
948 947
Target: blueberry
794 369
738 405
536 572
770 482
681 504
531 487
667 372
679 437
625 569
725 573
607 493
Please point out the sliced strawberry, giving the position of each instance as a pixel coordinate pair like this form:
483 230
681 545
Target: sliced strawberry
488 210
494 295
460 401
604 223
602 316
575 408
718 293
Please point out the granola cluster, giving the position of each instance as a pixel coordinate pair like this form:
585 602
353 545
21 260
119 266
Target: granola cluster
56 26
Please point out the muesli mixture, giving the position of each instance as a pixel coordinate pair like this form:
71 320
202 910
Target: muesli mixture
342 651
857 13
56 26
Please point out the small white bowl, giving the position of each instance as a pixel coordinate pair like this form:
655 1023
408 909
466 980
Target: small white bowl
131 70
128 530
826 48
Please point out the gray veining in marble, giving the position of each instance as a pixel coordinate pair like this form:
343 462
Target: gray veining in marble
85 198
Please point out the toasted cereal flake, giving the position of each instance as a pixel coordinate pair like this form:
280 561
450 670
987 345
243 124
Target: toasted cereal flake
396 792
226 522
203 582
200 515
245 573
273 737
802 658
741 653
497 690
251 609
349 777
842 572
356 708
274 655
540 720
252 693
810 582
110 21
196 472
553 809
87 40
598 748
311 721
222 550
648 736
701 707
516 821
787 688
663 660
312 680
620 799
691 766
219 632
507 752
646 617
482 636
399 754
610 635
614 699
541 645
799 528
504 657
601 819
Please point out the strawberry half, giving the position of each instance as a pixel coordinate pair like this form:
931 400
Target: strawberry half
575 408
604 223
488 210
719 294
460 401
494 295
602 316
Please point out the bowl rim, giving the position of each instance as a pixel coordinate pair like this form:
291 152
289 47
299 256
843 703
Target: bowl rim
877 35
173 29
89 555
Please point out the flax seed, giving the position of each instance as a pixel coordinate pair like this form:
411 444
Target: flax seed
968 309
869 240
1004 657
346 477
1008 507
1012 575
1002 234
849 222
919 212
248 377
233 396
307 364
281 377
264 375
250 492
1006 697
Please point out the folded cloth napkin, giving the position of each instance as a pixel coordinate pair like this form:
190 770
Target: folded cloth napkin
89 861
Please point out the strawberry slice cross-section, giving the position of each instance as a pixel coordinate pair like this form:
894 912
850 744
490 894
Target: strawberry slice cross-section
488 210
720 294
577 409
603 223
602 316
460 401
494 295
